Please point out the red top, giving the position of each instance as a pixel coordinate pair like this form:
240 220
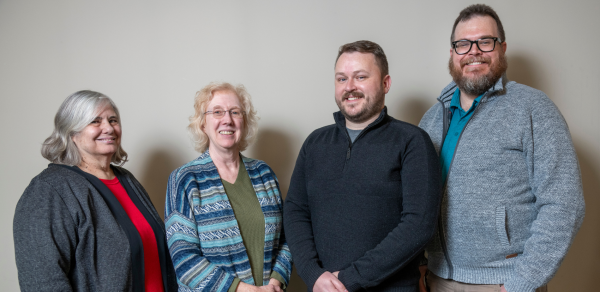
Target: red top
152 272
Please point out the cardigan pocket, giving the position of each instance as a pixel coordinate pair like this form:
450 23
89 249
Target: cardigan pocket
501 225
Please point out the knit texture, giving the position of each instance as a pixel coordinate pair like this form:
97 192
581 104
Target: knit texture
366 209
513 187
204 236
67 239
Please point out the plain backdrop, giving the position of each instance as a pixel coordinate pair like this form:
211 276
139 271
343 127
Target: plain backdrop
151 57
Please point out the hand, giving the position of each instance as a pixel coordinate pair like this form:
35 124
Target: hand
243 287
328 282
502 289
422 286
336 273
275 282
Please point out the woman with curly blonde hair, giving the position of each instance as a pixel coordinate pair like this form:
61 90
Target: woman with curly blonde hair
223 212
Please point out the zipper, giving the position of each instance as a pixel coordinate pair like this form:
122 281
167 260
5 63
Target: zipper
350 143
440 221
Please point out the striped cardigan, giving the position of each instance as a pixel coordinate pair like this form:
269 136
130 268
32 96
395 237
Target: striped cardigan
203 235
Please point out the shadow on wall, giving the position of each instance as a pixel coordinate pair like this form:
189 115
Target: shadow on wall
579 270
275 148
411 110
159 165
521 70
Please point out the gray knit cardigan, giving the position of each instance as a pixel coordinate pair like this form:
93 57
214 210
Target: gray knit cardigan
513 188
67 238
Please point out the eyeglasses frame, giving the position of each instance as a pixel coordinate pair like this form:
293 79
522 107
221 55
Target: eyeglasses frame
496 39
228 111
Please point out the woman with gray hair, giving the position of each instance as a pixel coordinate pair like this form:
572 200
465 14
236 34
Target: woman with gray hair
223 210
85 223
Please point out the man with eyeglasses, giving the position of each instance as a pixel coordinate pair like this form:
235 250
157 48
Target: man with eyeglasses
513 199
364 195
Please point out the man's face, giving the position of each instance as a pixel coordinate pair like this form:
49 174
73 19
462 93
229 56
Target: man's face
477 71
359 87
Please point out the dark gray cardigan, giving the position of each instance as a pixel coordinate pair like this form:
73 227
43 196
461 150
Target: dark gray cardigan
69 237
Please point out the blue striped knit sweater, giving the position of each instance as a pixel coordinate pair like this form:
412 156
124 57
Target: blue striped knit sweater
203 235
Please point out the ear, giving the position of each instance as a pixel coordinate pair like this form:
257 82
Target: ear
387 83
503 47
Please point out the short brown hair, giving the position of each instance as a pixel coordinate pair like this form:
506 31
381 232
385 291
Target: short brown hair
367 47
479 10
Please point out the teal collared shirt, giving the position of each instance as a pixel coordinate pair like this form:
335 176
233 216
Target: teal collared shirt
457 124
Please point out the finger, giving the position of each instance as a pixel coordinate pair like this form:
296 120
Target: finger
338 285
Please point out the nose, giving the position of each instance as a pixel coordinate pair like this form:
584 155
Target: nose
107 128
227 119
350 85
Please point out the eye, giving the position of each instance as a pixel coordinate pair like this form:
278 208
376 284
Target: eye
341 79
361 77
218 112
236 112
113 121
463 44
485 42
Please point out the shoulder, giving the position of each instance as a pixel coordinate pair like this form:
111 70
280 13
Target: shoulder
407 130
196 167
59 177
54 184
322 133
526 95
257 165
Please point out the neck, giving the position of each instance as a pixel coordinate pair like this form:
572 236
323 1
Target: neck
466 100
227 159
98 168
360 126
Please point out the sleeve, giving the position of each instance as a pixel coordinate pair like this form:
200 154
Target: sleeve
421 198
193 270
298 227
45 237
555 181
283 262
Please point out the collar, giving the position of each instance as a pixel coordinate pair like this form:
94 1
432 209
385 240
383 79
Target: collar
340 120
455 102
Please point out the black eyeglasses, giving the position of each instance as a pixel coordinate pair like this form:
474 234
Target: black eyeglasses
235 113
462 47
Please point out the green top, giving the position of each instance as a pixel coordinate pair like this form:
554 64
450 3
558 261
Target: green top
251 221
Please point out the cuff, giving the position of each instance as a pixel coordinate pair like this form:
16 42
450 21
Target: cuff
279 278
348 279
234 285
517 283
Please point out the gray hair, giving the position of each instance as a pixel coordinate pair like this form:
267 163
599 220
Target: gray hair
73 115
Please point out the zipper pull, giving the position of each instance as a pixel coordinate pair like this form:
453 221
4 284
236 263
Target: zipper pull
348 153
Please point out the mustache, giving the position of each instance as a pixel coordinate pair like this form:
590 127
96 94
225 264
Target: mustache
466 61
353 94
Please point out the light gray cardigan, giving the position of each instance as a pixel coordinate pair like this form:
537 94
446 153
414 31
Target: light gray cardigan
513 187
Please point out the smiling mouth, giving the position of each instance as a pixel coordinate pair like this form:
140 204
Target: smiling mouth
226 132
475 63
107 139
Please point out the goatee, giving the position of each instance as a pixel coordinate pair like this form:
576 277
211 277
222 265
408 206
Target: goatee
371 108
480 83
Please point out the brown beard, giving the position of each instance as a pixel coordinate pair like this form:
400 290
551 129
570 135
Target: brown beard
481 83
370 109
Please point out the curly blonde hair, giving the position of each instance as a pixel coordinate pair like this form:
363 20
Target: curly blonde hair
201 102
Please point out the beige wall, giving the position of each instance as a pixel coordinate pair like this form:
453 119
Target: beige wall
152 56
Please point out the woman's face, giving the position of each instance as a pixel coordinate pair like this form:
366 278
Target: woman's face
224 133
101 138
